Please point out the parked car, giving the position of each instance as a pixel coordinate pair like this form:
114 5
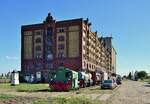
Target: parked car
119 80
111 84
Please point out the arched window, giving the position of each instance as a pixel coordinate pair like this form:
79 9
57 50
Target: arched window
38 40
38 48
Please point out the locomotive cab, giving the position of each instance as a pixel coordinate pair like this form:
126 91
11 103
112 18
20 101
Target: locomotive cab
63 79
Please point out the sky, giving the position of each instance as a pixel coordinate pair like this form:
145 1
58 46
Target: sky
128 21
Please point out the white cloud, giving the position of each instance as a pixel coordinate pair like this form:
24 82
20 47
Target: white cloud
11 57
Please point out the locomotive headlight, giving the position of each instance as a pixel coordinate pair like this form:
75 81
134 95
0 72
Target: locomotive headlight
51 79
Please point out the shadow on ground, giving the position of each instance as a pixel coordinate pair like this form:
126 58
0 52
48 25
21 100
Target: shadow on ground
43 90
147 85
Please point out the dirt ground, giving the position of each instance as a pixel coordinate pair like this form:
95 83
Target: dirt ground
93 93
132 92
19 100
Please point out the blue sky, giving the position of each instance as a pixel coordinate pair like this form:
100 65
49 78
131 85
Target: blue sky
127 20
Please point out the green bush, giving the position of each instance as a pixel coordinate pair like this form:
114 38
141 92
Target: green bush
142 75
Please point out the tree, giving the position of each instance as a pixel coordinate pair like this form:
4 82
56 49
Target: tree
142 74
130 76
124 76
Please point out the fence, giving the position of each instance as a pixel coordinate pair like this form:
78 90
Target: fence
4 80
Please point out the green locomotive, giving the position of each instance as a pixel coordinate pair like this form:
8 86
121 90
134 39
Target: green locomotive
63 79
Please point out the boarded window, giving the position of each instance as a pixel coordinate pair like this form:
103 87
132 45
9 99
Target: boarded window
73 44
73 28
27 47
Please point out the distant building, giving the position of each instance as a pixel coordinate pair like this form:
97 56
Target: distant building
112 52
45 46
113 62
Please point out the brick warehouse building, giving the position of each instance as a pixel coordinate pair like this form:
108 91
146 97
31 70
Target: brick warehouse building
46 45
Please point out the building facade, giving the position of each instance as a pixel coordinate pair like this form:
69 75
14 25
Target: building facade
46 46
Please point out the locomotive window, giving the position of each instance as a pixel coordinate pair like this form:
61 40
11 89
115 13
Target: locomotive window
54 75
68 75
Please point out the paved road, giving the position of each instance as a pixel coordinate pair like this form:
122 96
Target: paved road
131 92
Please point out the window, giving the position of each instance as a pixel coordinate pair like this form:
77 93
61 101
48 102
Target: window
68 75
49 31
90 65
27 67
38 48
38 56
53 75
49 38
38 33
61 46
49 56
61 30
87 66
61 54
49 49
38 66
50 66
38 40
61 38
84 64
